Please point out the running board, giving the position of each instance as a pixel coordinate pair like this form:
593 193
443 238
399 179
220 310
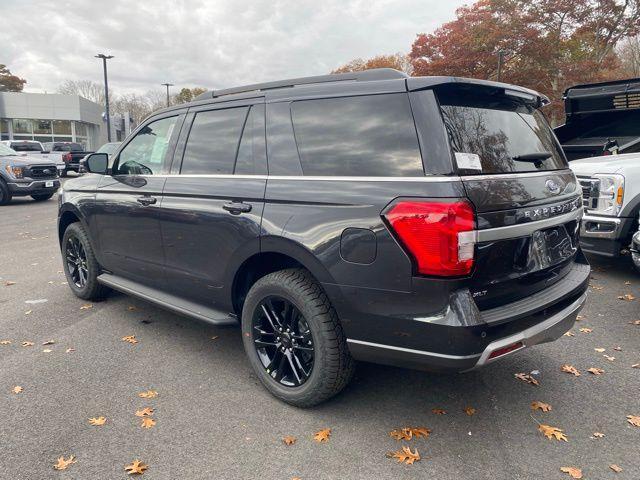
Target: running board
166 300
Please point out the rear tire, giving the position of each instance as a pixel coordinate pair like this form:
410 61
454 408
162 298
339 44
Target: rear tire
80 265
332 366
5 194
63 173
42 197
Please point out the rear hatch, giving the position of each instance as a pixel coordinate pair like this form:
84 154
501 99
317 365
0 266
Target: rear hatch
526 199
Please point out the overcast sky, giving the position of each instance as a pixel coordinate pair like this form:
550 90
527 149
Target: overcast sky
214 43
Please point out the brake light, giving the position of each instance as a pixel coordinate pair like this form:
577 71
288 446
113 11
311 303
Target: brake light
67 157
439 235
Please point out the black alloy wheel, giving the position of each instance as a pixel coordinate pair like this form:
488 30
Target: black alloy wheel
76 259
283 341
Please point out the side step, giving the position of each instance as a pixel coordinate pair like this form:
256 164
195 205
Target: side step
166 300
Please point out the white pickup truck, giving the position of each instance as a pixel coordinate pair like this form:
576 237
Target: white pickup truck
33 148
611 196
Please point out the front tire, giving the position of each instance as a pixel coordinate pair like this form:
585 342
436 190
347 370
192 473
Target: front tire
80 265
42 197
5 194
294 340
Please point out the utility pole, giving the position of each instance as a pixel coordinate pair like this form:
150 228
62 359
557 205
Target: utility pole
500 62
106 92
167 85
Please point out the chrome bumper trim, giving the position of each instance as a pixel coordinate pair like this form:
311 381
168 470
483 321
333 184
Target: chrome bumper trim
542 332
610 235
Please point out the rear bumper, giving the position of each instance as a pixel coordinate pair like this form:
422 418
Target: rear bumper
602 235
32 187
461 337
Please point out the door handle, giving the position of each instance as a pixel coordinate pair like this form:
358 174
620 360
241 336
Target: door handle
236 208
146 200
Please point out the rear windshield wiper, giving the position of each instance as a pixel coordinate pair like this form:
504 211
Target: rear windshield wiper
536 157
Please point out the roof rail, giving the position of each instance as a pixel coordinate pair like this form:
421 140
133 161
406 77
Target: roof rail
363 76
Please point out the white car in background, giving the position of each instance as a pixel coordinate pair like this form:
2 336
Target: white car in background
611 198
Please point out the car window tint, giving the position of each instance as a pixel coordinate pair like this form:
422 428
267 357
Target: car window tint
213 141
357 136
251 153
145 153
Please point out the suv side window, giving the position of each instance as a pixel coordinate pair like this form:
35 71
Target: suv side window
369 136
213 141
252 157
145 153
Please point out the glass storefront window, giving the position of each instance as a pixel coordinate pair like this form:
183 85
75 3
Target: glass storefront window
4 126
81 129
61 127
42 127
21 125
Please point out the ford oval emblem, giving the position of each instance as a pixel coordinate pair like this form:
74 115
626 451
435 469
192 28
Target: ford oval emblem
552 186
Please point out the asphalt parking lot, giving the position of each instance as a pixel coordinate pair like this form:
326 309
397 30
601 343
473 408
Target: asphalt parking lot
214 420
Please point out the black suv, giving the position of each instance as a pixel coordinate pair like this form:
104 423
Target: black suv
426 222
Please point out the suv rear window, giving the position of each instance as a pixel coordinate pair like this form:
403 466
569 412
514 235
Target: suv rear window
26 147
495 134
369 136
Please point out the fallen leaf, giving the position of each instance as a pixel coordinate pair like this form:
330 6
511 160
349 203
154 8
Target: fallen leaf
407 433
599 350
634 420
552 432
17 389
527 378
322 435
8 283
586 330
289 440
572 471
595 370
131 308
635 365
148 394
470 411
215 337
627 283
28 312
598 435
569 334
5 342
69 350
28 344
611 359
130 339
635 322
615 468
579 317
148 422
405 455
617 349
136 468
570 369
47 350
626 297
438 411
48 342
97 421
145 412
63 464
545 407
86 306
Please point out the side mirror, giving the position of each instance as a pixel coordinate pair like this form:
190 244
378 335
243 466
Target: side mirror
97 163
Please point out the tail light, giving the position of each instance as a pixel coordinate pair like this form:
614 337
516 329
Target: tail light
67 157
439 235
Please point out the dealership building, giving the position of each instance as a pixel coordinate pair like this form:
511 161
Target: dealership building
53 117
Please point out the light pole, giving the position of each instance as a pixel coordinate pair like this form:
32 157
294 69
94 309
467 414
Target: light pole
106 92
167 85
500 62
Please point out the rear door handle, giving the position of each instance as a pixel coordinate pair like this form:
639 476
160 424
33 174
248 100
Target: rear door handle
146 200
236 208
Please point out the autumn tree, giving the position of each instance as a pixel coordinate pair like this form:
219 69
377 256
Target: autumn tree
629 55
9 82
86 89
547 45
398 61
188 94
